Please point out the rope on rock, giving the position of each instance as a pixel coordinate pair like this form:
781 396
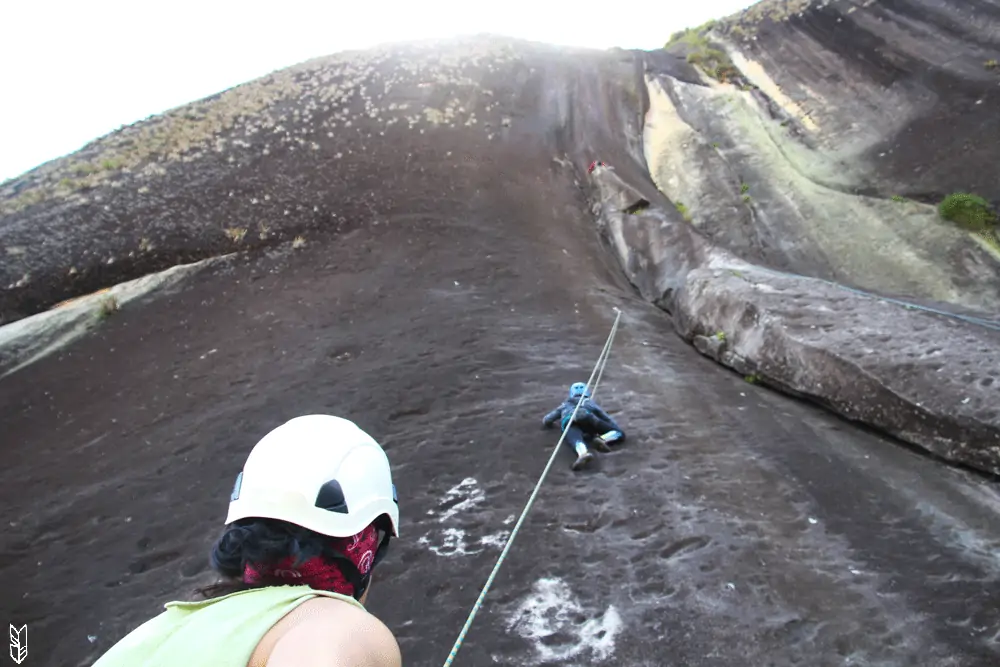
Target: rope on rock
595 378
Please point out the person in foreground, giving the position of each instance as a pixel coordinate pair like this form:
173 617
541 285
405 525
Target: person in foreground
310 516
590 421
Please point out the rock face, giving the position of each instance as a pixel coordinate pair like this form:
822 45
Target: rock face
844 124
421 257
903 92
841 124
927 379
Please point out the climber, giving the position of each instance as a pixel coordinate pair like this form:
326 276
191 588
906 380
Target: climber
590 421
296 572
594 165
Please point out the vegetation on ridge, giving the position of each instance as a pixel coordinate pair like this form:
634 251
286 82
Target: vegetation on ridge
972 213
967 210
700 52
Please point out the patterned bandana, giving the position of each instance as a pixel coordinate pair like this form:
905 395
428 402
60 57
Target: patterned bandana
318 572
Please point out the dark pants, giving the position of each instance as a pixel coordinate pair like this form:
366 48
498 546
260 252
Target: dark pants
587 425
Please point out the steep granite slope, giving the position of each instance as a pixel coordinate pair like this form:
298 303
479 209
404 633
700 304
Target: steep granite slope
446 282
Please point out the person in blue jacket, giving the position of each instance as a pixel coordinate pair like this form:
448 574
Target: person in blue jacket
590 421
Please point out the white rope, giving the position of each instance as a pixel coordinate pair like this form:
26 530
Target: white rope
598 372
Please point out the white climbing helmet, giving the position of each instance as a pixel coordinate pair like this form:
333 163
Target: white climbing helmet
319 472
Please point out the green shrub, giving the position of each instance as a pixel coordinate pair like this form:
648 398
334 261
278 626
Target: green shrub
968 211
714 62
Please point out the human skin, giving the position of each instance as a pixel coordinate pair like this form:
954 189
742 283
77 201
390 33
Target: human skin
325 632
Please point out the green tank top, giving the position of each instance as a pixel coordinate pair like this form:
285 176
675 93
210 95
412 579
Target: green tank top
222 632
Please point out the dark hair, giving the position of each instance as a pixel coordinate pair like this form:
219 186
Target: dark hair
258 540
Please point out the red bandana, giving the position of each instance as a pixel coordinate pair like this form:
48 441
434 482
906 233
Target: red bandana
317 572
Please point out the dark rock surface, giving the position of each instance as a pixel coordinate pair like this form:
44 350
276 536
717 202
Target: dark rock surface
449 285
901 88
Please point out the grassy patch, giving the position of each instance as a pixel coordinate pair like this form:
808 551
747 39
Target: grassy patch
108 307
692 36
898 198
991 64
712 61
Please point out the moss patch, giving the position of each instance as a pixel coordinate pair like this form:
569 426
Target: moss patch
972 213
968 211
683 210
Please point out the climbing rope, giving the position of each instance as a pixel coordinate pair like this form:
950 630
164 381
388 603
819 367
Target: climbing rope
598 371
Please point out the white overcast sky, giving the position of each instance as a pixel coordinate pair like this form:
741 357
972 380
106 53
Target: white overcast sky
74 70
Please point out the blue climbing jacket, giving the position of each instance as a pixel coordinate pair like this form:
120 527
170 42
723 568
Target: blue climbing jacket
565 411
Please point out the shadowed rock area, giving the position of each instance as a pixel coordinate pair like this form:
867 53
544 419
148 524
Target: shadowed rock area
428 256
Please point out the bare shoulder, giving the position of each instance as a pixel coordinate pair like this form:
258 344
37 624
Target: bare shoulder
332 633
359 620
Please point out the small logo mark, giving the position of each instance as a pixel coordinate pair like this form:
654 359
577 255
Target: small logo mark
18 643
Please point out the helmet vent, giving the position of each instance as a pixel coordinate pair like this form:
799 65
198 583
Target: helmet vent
331 497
